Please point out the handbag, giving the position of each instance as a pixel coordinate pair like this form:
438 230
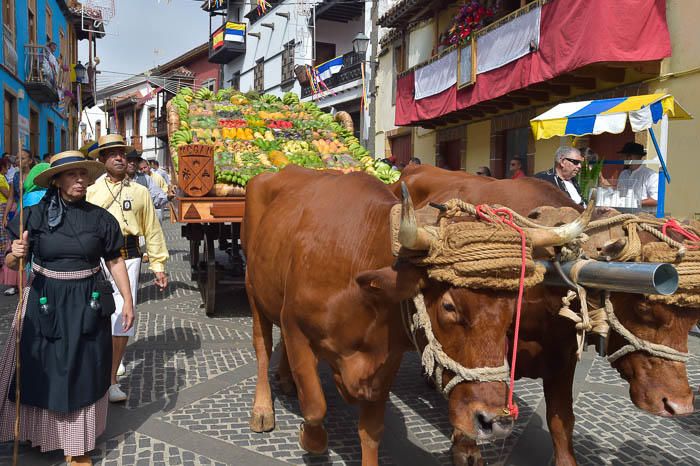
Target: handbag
102 284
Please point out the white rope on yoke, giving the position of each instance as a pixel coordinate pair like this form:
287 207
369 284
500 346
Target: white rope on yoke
593 320
637 344
435 360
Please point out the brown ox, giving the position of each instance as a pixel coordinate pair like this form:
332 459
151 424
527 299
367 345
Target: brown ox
320 266
547 346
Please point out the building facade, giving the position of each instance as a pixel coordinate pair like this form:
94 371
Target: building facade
136 107
39 110
276 50
476 109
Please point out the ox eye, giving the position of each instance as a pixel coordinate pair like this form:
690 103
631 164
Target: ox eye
449 307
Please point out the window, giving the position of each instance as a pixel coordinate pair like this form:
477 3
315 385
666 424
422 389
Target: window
235 81
288 62
64 139
31 20
98 129
51 137
210 84
49 25
33 131
10 122
152 123
399 67
8 16
259 75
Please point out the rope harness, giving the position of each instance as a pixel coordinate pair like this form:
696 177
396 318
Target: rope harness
600 320
492 253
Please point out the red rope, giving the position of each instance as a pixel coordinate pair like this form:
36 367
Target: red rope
673 224
505 216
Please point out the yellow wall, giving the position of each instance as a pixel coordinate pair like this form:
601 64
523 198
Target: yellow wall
385 109
420 43
424 145
478 145
544 153
683 194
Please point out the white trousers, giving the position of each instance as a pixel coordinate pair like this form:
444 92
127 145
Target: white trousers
133 269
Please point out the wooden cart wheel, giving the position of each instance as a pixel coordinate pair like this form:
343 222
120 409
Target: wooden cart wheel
209 286
194 259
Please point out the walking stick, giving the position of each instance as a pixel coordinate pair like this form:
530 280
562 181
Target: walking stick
18 318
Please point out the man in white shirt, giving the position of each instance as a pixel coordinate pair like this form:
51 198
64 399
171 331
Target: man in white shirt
643 181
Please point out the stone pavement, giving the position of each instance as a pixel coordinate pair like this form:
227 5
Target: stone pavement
191 379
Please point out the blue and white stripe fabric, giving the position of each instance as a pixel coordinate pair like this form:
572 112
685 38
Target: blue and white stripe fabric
329 68
606 115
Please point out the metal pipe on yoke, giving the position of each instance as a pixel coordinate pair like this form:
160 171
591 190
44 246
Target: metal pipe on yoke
625 277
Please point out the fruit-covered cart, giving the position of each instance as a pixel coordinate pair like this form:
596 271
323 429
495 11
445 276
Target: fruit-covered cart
220 141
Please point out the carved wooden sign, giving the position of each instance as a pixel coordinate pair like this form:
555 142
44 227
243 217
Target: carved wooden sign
196 169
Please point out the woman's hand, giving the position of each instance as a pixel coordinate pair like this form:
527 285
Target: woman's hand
127 316
20 247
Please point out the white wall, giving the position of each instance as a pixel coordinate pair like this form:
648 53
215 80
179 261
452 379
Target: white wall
420 44
340 34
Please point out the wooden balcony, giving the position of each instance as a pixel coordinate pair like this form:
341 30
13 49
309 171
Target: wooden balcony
9 50
224 44
137 143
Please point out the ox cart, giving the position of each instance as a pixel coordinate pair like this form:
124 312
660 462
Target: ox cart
209 223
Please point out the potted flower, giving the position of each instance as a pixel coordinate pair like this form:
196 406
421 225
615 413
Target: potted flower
471 17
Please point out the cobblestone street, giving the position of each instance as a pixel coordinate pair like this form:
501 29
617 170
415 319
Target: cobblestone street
190 381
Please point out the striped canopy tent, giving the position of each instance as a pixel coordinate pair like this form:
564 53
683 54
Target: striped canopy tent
610 116
606 116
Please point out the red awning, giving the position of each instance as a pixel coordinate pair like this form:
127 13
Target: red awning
573 34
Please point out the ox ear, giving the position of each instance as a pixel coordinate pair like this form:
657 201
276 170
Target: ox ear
394 284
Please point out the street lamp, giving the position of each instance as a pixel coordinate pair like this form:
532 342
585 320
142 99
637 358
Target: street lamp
360 43
80 73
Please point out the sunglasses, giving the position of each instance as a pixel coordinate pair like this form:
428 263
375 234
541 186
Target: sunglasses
574 161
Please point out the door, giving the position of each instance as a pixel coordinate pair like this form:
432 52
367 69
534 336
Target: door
449 155
401 149
324 52
516 146
606 146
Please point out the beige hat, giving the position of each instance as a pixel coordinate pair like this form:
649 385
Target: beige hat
108 141
69 160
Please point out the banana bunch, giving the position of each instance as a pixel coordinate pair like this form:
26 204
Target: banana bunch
181 137
291 147
203 94
290 98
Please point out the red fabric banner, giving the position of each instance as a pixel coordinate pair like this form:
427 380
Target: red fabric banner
574 33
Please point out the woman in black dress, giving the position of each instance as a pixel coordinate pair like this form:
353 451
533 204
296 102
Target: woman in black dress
66 345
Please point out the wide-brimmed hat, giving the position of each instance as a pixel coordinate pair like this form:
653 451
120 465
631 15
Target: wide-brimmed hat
109 141
633 148
69 160
88 147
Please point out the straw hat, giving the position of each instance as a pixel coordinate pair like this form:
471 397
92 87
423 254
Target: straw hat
69 160
108 141
88 147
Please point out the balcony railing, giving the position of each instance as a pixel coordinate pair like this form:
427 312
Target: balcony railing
227 42
43 74
351 71
9 50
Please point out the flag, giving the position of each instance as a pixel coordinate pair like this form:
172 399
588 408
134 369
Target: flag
329 68
235 32
217 39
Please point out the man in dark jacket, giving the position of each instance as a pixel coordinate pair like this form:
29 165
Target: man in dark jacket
567 164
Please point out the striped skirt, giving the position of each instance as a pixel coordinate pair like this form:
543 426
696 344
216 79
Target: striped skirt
3 236
74 432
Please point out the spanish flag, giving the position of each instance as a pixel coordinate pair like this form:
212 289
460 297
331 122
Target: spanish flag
217 39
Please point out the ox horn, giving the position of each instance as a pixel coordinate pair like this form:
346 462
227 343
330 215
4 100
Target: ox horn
565 233
411 236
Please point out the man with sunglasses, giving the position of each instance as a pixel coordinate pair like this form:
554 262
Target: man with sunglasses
567 164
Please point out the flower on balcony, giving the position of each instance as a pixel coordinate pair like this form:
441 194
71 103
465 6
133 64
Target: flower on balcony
471 17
